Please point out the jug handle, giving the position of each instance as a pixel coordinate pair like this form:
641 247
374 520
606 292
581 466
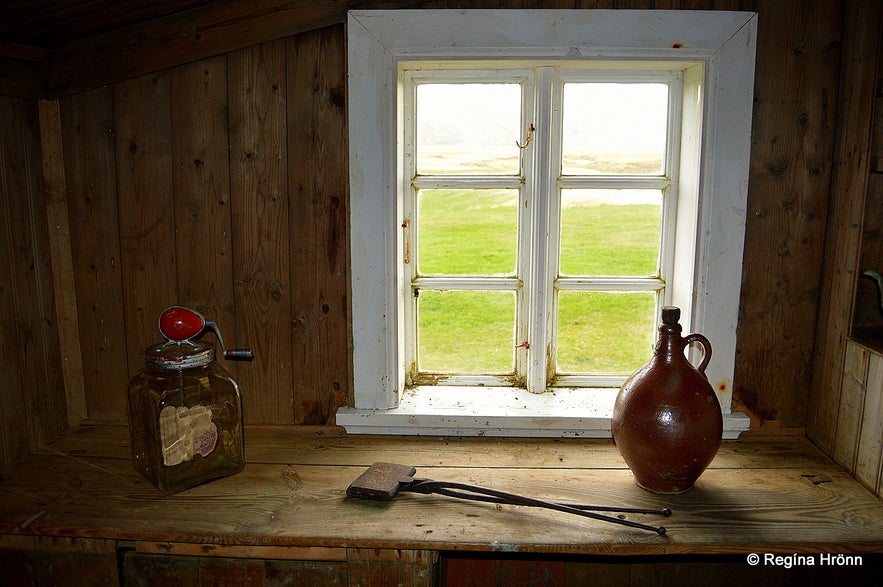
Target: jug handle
706 349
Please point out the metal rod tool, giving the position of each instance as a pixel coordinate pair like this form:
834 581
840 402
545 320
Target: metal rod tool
383 481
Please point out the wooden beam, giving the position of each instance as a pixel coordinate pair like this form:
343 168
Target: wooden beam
188 36
22 78
62 261
22 70
23 52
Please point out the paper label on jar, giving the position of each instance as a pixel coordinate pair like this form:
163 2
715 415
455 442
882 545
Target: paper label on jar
185 433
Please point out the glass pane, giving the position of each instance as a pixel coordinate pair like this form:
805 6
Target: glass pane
614 129
467 232
468 129
466 331
605 332
610 232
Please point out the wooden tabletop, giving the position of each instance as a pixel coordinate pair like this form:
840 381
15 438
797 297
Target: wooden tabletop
761 494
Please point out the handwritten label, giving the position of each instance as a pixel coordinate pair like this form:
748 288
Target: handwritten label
185 433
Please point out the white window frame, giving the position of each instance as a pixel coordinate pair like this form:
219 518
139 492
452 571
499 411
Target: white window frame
717 49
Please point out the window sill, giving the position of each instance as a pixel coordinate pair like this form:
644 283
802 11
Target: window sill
494 411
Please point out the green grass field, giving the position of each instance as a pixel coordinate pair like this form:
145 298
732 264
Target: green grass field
473 232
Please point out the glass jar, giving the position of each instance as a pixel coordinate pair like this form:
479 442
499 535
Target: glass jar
185 417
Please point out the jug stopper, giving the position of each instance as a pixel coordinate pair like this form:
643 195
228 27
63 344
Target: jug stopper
671 315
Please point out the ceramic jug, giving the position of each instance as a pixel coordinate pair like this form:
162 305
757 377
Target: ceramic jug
667 421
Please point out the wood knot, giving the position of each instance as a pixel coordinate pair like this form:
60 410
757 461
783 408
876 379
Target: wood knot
291 479
817 479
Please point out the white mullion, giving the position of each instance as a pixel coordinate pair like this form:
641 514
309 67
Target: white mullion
408 157
670 195
538 277
526 206
553 254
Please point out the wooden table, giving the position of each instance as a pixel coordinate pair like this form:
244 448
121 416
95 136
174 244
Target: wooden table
79 499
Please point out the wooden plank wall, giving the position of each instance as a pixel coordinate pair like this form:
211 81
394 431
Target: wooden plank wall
32 395
796 88
206 225
854 218
868 314
302 373
221 183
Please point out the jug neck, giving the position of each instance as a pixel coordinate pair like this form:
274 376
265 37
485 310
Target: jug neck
670 346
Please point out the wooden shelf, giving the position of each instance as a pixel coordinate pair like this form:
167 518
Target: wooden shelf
776 494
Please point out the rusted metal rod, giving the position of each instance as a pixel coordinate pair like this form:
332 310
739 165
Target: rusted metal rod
482 493
594 508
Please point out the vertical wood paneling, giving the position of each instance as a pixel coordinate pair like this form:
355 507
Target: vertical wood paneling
317 154
475 572
405 568
870 434
146 208
789 178
848 189
868 315
201 184
852 399
48 409
259 199
33 339
90 170
14 424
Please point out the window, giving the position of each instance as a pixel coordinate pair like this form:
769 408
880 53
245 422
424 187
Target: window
537 262
490 241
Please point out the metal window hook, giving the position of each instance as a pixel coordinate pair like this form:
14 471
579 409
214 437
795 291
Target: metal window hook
528 138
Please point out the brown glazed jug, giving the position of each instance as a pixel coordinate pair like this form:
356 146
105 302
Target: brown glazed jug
667 422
